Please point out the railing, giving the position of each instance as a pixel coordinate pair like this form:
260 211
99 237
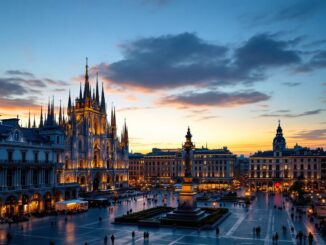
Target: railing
26 162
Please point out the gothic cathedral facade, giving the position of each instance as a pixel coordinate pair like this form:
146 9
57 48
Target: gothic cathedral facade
95 157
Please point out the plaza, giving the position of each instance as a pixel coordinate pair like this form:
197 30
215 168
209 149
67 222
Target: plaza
235 229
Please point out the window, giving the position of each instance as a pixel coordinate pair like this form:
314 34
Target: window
24 156
46 176
23 177
46 157
35 177
9 177
10 154
36 156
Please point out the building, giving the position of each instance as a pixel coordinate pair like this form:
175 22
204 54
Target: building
31 160
212 168
94 157
162 165
136 168
277 169
241 168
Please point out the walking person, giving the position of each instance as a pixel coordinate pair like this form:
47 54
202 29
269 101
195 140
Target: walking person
310 238
276 237
133 234
217 231
112 239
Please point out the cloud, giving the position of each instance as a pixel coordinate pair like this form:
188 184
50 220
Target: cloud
316 62
315 134
299 10
55 82
214 98
16 90
135 108
19 73
291 84
11 87
284 113
264 51
173 61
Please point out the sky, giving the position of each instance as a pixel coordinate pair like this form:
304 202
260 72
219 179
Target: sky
228 69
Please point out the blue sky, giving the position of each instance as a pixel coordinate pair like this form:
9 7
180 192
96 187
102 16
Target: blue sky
229 69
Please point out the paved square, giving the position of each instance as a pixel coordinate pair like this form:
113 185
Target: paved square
236 229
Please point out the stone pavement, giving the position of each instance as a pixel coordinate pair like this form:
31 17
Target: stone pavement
236 229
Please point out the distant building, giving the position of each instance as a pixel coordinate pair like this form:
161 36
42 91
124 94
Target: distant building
241 167
136 168
212 168
279 168
30 163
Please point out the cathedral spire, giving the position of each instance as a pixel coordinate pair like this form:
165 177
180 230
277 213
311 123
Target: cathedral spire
29 119
52 112
103 109
97 91
60 114
41 118
63 115
87 92
49 112
34 123
69 103
80 92
125 134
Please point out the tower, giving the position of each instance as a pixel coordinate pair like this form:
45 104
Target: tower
279 143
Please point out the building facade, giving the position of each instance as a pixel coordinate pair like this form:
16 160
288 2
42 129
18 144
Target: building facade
276 170
212 168
30 163
94 157
136 168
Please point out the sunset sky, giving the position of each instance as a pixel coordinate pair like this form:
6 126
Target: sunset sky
228 69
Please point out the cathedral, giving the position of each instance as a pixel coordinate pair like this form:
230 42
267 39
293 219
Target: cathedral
94 156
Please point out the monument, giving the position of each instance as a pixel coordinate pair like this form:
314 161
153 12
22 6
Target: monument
187 208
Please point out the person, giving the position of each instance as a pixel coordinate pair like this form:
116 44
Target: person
276 237
100 219
292 229
217 231
106 240
310 238
112 239
9 236
133 234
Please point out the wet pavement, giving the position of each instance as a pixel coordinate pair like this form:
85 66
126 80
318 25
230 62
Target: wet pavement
236 229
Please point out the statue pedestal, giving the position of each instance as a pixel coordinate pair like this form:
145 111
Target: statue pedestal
187 209
187 199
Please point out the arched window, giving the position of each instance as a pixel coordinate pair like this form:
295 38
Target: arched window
80 146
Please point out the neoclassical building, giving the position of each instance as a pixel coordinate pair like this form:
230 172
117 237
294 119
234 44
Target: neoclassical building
277 169
30 164
94 155
212 168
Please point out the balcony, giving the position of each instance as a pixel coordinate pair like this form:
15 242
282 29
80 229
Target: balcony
21 162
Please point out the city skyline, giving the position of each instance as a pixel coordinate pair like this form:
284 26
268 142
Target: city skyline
230 85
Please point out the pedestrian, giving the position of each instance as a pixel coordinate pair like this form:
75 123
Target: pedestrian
217 231
106 240
276 237
133 234
100 219
112 239
9 236
310 238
